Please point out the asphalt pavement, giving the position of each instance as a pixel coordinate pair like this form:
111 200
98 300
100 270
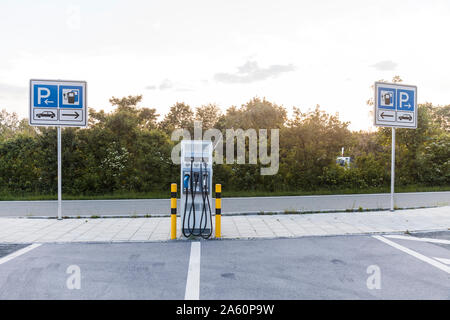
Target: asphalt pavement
326 267
229 205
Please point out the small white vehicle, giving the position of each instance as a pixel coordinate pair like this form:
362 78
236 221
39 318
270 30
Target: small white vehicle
344 161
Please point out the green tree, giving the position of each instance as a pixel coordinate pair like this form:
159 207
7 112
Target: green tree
208 114
256 114
311 141
180 116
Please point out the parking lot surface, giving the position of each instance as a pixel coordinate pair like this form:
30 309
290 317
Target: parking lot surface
312 267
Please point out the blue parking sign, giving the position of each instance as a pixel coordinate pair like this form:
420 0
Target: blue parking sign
395 105
45 96
58 103
405 100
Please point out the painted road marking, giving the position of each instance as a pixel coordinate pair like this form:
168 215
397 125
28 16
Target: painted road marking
415 254
446 261
19 252
193 277
393 236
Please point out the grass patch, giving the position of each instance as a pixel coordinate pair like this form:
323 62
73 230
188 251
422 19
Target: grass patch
400 189
225 193
109 196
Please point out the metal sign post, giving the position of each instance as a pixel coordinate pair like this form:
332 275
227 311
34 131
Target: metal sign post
392 168
58 103
395 107
59 175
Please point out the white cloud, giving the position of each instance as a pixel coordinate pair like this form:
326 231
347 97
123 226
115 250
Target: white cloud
194 53
11 92
166 84
385 65
252 72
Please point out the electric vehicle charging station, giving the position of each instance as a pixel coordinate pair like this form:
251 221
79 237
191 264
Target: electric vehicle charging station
196 192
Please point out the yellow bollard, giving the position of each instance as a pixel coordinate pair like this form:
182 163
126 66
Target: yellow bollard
173 211
218 209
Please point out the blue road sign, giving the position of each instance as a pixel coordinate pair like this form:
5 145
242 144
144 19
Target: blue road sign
396 99
395 105
58 102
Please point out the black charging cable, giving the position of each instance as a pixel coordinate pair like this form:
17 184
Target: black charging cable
192 187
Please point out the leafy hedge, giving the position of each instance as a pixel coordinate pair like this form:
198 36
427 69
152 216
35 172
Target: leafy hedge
128 150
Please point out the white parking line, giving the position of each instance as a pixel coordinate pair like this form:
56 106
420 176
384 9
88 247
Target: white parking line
193 277
415 254
394 236
446 261
19 253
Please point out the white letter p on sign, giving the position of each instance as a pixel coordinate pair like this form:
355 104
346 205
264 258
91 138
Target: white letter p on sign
42 96
404 97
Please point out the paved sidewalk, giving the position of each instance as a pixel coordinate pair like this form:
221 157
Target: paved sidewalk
27 230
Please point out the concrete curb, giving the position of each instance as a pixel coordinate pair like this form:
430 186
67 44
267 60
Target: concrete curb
245 213
237 238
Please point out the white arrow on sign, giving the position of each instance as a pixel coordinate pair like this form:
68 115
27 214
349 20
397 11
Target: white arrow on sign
48 101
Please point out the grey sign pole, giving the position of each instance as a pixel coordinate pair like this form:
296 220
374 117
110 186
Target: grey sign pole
395 107
59 174
392 168
58 103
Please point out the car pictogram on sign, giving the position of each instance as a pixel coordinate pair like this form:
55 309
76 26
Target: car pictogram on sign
46 114
405 117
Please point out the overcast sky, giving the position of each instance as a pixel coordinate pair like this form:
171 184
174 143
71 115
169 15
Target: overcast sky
294 53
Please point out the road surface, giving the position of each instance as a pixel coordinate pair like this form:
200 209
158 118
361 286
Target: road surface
336 267
229 205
